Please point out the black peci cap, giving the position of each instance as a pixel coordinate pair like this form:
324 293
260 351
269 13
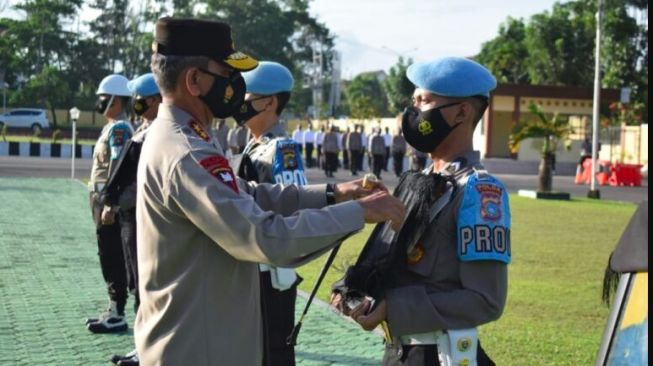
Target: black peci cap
196 37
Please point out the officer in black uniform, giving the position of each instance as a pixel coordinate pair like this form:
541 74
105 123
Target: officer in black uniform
120 192
272 157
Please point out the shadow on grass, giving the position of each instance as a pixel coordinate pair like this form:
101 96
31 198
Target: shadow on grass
337 359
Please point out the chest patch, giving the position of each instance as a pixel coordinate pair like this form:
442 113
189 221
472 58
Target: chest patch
484 221
219 167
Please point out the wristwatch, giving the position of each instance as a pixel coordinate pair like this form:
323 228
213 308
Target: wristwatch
330 194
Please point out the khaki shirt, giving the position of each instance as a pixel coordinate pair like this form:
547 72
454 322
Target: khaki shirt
436 290
201 233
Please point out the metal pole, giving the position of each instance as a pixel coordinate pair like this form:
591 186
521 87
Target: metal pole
74 143
593 192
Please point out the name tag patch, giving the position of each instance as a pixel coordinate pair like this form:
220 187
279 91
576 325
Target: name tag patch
484 221
219 167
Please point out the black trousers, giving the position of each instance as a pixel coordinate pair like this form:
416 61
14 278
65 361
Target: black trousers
424 355
398 162
319 156
346 159
278 309
309 154
330 162
387 157
377 164
128 235
354 164
112 260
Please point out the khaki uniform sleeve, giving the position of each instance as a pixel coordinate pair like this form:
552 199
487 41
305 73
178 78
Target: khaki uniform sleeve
285 200
244 230
420 309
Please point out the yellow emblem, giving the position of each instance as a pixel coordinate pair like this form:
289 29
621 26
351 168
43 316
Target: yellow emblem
464 362
155 47
228 93
424 127
416 254
464 344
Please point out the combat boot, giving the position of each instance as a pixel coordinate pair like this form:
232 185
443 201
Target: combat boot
109 321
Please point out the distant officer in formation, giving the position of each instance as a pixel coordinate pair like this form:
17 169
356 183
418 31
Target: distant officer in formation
398 151
120 191
331 149
319 140
202 231
309 144
275 158
377 152
355 148
113 100
221 133
453 277
387 139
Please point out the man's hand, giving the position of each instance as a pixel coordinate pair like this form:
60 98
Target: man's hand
381 206
108 216
354 189
371 320
338 302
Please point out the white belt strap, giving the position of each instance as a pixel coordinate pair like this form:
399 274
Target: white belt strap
455 347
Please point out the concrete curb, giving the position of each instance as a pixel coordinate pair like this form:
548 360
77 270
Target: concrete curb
48 150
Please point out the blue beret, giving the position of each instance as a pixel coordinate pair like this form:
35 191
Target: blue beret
143 85
452 77
268 78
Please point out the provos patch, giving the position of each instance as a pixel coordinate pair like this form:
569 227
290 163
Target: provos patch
219 167
483 231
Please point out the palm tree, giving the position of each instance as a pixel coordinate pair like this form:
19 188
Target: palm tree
552 130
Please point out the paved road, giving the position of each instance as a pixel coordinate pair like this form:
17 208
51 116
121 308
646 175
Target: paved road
516 175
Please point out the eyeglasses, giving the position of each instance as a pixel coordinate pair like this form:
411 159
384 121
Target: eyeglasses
233 76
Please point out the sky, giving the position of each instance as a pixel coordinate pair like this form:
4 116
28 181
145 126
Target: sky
371 34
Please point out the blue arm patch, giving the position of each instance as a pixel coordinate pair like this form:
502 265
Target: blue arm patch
118 135
484 221
287 167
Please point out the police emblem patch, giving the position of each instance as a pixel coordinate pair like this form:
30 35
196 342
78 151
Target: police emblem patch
289 157
118 136
195 126
219 167
424 127
490 201
228 93
464 344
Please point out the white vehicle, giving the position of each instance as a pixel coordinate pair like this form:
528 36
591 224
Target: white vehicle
33 118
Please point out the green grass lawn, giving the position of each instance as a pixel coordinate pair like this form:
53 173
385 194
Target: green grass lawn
554 314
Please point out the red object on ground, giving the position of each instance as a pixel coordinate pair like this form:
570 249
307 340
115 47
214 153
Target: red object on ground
626 175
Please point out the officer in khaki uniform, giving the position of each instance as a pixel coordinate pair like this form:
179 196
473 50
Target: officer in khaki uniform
272 157
113 99
202 231
455 276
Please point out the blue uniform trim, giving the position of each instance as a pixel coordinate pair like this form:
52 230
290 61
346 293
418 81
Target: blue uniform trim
484 221
287 166
119 133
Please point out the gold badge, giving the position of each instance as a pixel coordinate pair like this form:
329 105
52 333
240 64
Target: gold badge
155 46
424 127
464 362
416 254
464 344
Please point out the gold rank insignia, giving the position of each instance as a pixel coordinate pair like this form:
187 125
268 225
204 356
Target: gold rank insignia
424 127
464 344
199 130
416 254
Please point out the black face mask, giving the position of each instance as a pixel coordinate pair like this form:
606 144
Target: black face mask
246 111
226 94
425 130
103 103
